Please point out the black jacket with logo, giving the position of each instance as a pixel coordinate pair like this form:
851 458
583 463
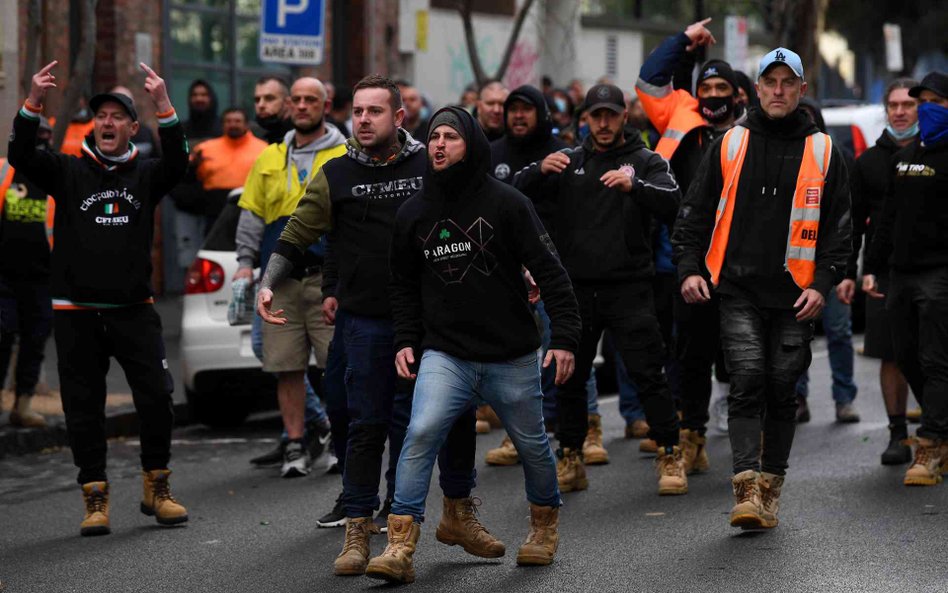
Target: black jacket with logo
509 154
603 234
24 248
457 254
754 263
104 220
913 231
353 200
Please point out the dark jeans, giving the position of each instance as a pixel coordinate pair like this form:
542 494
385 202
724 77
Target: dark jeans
84 342
766 351
699 338
917 305
25 311
626 309
379 409
334 391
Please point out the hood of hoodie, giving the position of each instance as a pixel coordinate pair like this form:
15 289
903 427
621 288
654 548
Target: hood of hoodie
633 141
409 146
817 110
533 96
205 123
468 174
795 125
887 142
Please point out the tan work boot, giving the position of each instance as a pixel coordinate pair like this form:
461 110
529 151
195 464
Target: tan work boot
648 446
543 538
354 556
693 451
593 451
459 527
487 419
746 511
22 414
770 486
638 429
570 471
928 466
95 495
505 454
157 500
395 563
671 472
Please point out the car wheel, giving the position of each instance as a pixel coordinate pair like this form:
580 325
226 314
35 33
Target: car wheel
216 410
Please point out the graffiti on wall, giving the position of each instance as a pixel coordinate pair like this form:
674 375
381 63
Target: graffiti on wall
521 70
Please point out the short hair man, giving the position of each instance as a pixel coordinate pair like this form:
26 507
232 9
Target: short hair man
101 282
490 108
771 199
913 236
271 109
273 188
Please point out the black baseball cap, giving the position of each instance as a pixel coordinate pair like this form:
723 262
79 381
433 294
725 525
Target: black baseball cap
719 69
606 96
123 100
936 82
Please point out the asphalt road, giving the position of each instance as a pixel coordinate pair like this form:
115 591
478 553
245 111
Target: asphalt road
847 523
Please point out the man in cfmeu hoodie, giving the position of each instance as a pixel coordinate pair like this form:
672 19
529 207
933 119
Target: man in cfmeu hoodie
689 124
766 224
101 282
461 307
273 188
354 200
605 194
913 236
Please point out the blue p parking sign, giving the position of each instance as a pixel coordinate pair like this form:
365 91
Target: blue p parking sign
292 31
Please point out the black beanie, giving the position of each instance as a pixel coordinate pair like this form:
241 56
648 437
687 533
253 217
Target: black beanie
718 68
446 117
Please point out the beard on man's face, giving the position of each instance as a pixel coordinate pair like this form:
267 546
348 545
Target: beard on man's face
304 128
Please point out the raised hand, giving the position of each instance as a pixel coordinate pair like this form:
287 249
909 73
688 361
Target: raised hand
40 83
699 34
156 89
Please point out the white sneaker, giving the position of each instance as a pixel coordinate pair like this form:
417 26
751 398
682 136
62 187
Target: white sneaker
296 460
719 413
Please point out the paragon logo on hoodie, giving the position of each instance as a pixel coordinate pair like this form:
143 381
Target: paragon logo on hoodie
452 252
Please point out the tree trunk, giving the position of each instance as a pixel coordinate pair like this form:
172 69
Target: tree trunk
81 73
466 9
34 33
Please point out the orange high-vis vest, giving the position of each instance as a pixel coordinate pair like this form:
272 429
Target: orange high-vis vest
6 180
804 228
674 113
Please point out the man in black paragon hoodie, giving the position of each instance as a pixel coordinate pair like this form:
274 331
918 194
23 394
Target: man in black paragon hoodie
777 188
460 305
101 282
354 199
605 194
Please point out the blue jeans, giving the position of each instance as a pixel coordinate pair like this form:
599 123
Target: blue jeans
838 326
548 375
380 406
445 389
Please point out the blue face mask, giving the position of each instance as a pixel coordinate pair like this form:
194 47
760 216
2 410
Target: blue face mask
424 113
905 134
933 123
560 104
583 131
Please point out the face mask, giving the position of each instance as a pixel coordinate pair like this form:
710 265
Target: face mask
905 134
560 104
424 112
716 109
933 123
583 131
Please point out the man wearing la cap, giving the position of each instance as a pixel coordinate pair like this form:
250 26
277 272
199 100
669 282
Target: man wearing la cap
604 195
767 220
913 236
689 126
100 282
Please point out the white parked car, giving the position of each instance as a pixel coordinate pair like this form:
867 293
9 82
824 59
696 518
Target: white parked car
223 380
857 127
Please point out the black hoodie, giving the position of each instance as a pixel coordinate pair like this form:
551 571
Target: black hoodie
603 234
509 154
104 219
457 253
755 257
205 124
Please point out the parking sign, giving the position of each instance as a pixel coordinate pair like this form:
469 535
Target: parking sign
292 31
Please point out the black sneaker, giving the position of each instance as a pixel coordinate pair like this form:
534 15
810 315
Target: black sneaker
318 439
274 457
334 518
897 453
295 460
381 519
803 410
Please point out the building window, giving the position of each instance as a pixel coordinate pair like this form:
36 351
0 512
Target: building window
215 40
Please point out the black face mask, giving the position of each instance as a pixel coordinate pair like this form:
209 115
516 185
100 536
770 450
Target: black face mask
716 109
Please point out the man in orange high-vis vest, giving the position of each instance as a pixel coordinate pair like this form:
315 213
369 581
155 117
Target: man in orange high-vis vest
766 226
26 313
